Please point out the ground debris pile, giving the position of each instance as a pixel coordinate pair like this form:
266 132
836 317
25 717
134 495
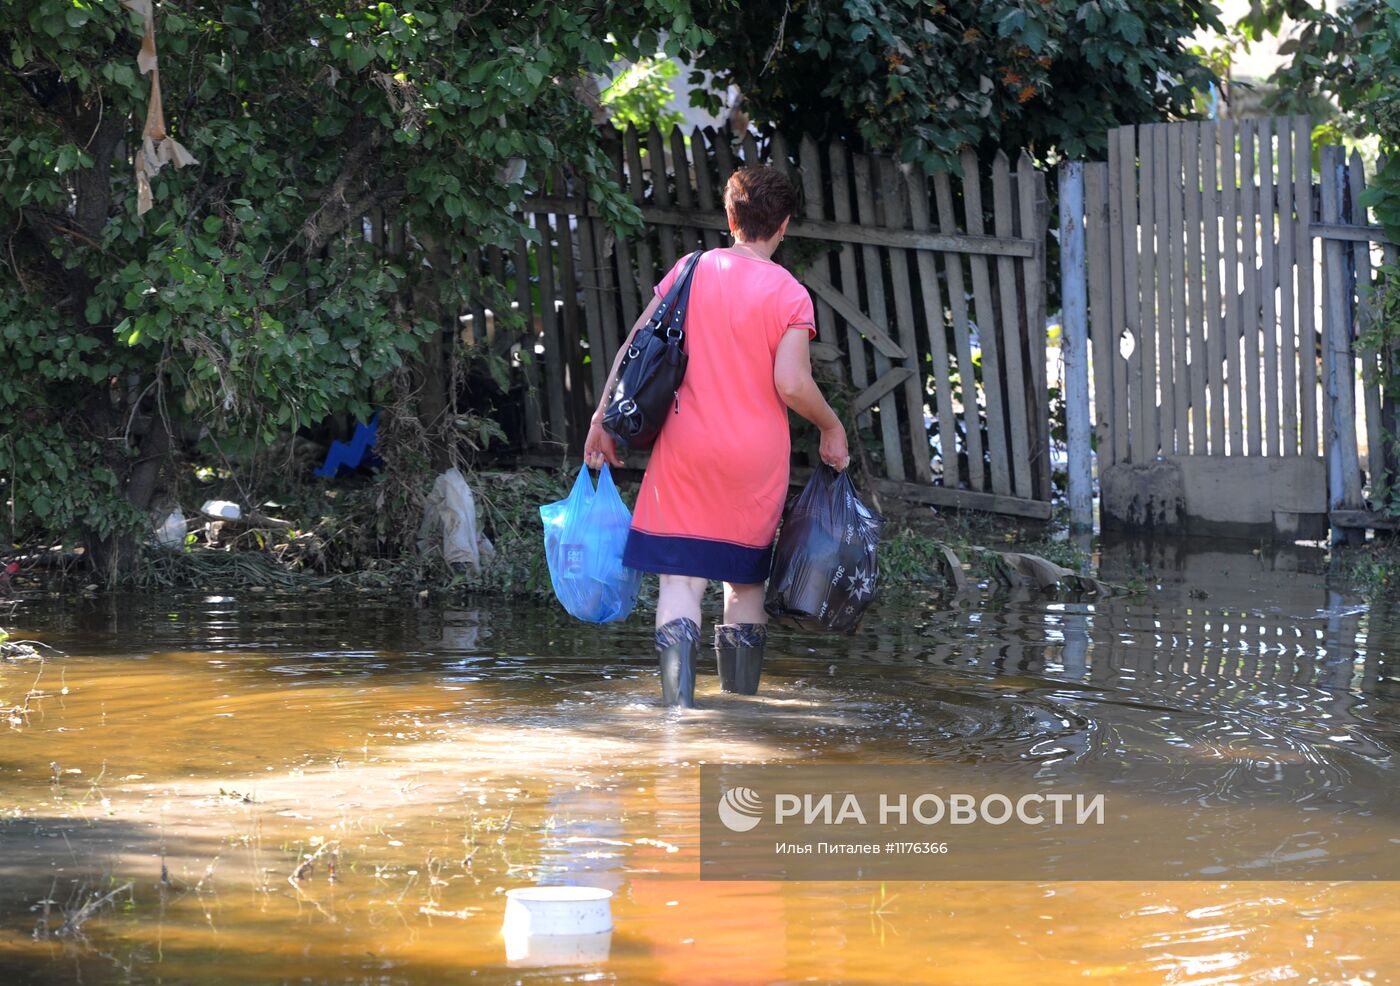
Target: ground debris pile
17 650
339 537
1018 569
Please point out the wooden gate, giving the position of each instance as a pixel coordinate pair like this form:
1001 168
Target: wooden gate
1219 365
928 292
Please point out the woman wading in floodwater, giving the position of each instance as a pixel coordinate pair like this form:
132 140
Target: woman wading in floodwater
714 489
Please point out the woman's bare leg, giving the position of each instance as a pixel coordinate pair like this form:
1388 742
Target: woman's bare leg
679 599
743 603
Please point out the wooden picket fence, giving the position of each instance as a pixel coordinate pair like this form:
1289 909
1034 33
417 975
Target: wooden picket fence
1218 326
929 294
1350 299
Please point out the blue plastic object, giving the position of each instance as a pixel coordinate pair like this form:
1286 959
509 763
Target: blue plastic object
584 535
350 454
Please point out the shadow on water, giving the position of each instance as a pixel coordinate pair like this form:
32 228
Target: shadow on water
447 752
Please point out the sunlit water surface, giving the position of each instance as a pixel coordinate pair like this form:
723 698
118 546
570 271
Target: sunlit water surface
200 747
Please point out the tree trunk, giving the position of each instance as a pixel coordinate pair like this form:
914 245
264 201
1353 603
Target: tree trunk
114 558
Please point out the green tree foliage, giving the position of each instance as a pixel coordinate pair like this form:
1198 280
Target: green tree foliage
1349 55
248 301
641 94
926 79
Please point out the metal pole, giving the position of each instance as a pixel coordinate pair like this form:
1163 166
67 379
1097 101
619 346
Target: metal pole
1074 343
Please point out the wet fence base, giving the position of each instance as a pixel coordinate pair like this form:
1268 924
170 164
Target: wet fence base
1260 496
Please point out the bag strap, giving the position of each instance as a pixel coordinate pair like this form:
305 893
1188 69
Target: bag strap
675 303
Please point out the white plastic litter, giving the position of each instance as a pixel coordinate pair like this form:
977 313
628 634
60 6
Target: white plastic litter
451 508
537 911
221 510
172 530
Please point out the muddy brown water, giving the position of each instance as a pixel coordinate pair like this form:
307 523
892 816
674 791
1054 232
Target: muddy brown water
438 755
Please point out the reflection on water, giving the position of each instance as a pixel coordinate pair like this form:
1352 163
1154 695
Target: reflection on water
424 759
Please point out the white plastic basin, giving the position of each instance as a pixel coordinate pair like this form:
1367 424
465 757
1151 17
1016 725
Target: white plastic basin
534 911
539 951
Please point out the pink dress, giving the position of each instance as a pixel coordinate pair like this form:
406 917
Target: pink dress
714 489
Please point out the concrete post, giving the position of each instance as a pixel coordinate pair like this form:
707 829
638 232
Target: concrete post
1074 342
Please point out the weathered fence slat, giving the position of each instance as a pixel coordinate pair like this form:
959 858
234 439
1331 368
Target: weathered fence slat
810 175
1344 485
614 332
916 188
897 216
1268 289
557 422
1159 357
1213 207
1122 246
780 157
1010 341
1176 431
1195 288
501 342
1034 214
846 262
1307 325
724 154
1101 325
622 251
572 331
685 195
750 148
661 194
1390 400
875 301
1288 341
986 328
1365 314
534 432
991 246
1360 233
590 275
1229 207
850 310
636 187
1145 353
962 336
705 189
882 388
1249 261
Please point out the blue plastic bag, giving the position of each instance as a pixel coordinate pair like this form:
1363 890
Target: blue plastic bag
584 535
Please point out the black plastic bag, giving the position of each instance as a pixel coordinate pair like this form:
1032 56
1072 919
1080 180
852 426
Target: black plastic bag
824 570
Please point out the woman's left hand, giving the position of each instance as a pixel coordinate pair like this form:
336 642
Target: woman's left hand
600 447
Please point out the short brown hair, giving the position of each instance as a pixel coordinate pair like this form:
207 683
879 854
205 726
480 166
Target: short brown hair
757 200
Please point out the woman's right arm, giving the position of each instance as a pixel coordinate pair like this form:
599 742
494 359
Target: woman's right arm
792 375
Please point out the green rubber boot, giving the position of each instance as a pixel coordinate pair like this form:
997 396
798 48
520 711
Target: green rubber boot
675 646
739 652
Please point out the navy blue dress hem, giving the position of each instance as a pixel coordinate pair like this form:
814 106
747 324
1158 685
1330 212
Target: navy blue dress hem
697 557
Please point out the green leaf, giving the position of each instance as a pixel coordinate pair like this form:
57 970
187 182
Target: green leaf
360 57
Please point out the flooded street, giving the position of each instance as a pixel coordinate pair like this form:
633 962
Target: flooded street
339 788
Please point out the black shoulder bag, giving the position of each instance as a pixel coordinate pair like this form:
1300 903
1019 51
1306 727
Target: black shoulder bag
652 369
